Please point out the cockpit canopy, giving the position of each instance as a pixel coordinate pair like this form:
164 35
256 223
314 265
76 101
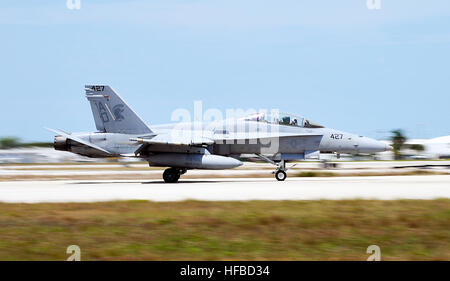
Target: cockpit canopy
282 119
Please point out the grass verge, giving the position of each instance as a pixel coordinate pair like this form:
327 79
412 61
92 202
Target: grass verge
254 230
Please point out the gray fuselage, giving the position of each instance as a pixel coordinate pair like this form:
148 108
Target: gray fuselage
234 138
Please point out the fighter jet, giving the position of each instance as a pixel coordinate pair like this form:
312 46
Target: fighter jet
272 137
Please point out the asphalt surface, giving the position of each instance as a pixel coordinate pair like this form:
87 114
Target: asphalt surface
114 170
379 187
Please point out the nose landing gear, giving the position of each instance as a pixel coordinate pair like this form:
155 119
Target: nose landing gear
280 173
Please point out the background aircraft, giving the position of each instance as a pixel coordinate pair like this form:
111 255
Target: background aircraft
276 138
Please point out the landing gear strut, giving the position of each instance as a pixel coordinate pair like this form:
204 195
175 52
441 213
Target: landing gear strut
172 175
280 173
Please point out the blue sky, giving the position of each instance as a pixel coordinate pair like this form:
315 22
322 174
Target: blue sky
336 62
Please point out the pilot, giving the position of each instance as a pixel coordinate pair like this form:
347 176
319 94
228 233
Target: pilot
307 124
294 122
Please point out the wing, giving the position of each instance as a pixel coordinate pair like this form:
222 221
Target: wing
188 141
170 139
172 142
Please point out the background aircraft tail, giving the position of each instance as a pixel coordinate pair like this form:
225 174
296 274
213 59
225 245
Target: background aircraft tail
112 114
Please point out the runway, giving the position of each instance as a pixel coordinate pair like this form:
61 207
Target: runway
379 187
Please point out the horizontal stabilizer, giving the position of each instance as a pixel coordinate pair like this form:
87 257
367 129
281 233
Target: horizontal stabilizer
61 133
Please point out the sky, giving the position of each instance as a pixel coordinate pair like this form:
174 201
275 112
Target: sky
360 70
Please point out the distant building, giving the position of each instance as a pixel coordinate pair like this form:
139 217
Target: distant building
50 155
436 148
38 155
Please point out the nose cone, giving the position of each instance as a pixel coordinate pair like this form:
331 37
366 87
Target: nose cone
368 145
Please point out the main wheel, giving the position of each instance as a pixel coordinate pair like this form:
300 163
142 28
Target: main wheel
171 175
280 175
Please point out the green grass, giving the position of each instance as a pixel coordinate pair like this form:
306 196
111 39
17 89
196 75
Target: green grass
308 174
255 230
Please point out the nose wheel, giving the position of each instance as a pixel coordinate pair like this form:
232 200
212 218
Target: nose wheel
172 175
280 175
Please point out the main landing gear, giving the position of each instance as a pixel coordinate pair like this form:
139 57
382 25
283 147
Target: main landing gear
172 175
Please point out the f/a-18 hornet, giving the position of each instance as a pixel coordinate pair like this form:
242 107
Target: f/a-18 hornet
275 138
